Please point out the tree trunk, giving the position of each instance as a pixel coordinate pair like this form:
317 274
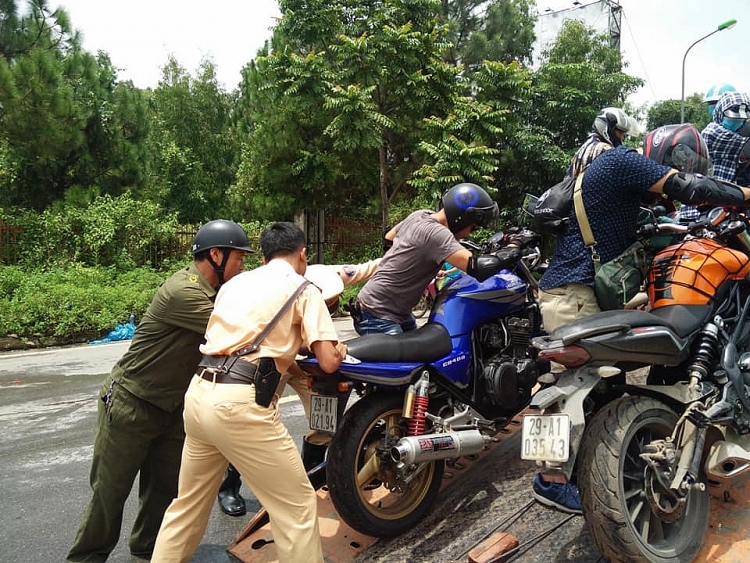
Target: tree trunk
382 151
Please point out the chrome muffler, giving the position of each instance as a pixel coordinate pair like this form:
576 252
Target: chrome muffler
445 445
728 463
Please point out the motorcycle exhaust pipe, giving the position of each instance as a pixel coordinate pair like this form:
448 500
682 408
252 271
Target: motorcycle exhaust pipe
446 445
728 463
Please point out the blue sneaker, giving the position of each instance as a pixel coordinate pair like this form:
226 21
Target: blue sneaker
563 496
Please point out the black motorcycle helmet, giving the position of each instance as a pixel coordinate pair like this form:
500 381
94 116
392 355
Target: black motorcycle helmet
679 146
220 233
468 204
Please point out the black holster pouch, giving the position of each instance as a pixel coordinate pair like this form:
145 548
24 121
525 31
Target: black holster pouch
354 310
266 381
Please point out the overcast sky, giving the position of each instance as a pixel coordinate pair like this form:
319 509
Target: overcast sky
140 34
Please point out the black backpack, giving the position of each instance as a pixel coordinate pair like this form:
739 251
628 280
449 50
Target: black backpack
551 211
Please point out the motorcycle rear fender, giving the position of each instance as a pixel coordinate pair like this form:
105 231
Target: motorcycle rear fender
640 345
677 396
566 397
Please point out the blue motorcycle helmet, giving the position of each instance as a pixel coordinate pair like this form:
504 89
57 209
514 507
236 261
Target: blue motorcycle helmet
467 204
714 93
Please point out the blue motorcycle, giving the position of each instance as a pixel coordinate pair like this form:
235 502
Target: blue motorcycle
427 396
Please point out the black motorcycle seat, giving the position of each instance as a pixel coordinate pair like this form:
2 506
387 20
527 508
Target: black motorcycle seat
426 344
682 319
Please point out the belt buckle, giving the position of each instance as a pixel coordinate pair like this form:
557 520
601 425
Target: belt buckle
212 371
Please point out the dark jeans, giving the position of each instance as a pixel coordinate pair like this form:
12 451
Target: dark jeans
371 324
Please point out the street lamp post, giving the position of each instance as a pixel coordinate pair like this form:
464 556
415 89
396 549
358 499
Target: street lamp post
726 25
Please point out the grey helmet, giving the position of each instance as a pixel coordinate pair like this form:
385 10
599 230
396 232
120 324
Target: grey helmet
610 120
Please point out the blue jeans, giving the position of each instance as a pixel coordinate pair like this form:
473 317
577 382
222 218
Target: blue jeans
373 325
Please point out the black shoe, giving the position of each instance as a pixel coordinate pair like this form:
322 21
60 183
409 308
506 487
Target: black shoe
230 499
312 457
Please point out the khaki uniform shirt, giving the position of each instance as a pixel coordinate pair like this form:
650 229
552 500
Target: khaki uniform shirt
163 354
249 301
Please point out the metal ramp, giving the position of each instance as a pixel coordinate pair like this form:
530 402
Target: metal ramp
341 544
727 539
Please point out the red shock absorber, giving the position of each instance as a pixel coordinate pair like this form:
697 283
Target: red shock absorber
421 402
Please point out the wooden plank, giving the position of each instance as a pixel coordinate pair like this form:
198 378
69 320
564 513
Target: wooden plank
493 548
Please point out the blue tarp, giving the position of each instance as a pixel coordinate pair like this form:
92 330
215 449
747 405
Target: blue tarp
120 332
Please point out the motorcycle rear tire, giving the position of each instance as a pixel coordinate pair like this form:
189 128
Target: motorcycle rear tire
612 480
371 507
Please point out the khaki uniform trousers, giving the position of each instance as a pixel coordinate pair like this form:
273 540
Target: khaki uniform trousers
223 422
565 304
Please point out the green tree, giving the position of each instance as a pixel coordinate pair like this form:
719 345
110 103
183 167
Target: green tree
463 147
496 30
342 100
667 112
193 146
64 121
580 75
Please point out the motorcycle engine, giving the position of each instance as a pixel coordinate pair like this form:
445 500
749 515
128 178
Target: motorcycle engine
508 372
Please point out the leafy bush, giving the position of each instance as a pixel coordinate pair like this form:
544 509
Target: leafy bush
110 231
83 272
77 301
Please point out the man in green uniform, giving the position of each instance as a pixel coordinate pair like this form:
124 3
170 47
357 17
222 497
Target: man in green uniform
140 426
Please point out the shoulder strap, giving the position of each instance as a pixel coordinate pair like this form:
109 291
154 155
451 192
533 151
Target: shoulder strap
256 344
583 220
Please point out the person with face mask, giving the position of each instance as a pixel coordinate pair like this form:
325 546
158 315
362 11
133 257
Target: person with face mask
714 93
725 137
727 134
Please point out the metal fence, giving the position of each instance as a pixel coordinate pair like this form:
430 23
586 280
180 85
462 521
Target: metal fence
11 237
334 240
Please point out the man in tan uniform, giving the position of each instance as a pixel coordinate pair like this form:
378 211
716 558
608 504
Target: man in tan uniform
231 413
331 280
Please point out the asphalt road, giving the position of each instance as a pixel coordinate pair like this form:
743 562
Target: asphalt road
48 401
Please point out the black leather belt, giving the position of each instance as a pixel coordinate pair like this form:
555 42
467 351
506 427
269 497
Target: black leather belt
227 369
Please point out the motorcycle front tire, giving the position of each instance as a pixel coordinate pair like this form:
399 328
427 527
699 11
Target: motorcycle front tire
612 480
361 487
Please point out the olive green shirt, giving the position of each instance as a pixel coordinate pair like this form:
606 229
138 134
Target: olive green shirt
164 353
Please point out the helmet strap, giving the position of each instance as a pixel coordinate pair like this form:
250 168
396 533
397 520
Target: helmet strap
219 269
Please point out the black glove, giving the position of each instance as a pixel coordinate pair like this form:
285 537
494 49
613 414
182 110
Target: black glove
523 239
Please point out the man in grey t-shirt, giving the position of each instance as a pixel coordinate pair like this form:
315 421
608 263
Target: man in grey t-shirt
421 243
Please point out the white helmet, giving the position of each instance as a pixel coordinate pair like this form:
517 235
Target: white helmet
610 120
